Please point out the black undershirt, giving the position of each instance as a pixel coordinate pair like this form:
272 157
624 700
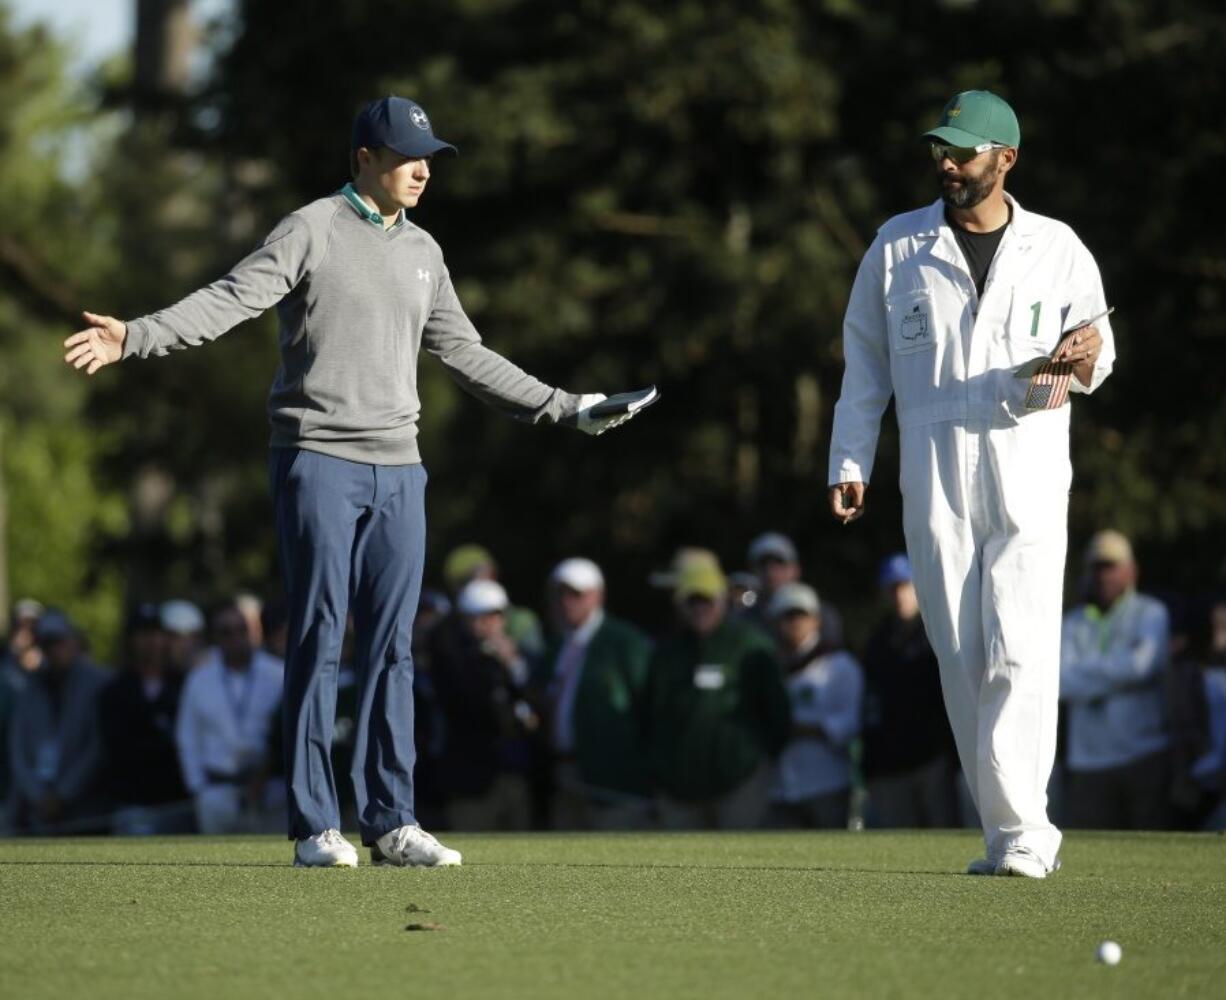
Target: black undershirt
978 249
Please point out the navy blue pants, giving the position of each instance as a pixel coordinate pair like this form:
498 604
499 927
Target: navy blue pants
352 539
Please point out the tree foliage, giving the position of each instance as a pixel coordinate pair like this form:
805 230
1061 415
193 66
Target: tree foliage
677 194
56 511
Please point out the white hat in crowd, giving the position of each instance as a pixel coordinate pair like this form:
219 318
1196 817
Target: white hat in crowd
482 597
182 617
772 545
1109 546
582 575
794 597
27 610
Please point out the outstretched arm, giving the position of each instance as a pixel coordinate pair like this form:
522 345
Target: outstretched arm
451 337
257 282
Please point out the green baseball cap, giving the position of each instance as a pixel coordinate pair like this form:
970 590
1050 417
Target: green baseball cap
700 579
976 116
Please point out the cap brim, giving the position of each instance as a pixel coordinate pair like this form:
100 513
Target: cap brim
951 136
426 146
789 609
705 593
483 609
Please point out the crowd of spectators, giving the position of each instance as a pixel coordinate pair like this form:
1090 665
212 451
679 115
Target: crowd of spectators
749 711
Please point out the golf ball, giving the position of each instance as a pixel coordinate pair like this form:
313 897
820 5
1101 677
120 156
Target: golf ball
1109 953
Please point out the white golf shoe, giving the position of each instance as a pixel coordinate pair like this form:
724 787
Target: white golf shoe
325 850
1022 862
412 847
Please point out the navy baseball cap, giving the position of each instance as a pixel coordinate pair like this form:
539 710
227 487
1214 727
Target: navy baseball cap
894 569
145 617
398 124
53 626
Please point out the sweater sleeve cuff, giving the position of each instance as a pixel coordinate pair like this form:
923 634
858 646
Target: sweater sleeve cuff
134 339
561 408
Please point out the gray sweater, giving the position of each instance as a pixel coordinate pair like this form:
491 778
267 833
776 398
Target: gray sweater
355 303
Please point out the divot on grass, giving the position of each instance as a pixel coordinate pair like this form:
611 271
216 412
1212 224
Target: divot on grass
424 927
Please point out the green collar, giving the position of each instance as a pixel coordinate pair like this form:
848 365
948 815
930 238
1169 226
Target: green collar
365 211
1103 619
1094 613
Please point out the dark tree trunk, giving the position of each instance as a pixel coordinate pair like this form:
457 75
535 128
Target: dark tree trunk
165 37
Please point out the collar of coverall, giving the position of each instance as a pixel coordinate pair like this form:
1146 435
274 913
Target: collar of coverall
1023 222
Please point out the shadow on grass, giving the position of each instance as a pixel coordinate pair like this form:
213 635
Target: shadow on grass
657 866
86 863
69 862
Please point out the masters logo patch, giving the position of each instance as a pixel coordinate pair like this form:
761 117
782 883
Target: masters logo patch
914 325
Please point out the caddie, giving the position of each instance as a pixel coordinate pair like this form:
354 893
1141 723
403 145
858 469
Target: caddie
359 289
952 310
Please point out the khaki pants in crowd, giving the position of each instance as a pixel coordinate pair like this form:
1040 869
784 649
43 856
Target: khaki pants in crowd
744 808
506 806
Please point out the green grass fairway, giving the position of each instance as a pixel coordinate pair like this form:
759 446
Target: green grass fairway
655 915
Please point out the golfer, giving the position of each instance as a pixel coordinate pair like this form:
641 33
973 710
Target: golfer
952 307
359 290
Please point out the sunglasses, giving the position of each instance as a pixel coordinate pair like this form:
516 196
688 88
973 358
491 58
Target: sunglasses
962 154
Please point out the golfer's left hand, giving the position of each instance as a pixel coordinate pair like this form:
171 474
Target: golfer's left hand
597 425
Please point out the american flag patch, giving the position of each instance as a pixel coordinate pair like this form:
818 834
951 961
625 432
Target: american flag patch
1049 386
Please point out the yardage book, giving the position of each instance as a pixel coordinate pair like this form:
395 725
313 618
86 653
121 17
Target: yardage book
1050 380
625 402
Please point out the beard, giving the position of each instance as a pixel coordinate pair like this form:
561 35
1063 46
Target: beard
973 188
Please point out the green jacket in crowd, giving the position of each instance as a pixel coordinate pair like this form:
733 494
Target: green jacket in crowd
718 710
609 716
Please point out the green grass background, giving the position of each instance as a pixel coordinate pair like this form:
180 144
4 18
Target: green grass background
633 915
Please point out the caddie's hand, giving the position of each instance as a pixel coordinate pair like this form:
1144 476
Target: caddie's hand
101 343
1079 347
847 501
597 425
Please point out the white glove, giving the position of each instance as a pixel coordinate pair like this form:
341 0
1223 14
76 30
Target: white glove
597 425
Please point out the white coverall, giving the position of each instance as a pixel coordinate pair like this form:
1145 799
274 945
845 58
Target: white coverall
984 482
